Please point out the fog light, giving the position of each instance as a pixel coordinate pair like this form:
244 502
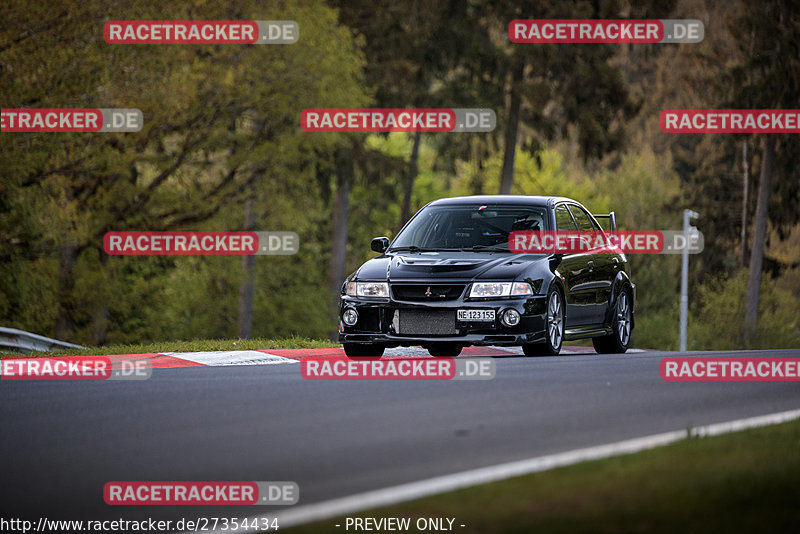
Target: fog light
510 317
350 316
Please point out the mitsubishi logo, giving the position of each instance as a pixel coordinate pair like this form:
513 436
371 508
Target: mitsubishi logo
428 292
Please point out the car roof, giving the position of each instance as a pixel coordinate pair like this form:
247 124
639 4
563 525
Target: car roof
533 200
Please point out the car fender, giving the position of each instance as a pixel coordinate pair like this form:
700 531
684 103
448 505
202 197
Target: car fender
621 281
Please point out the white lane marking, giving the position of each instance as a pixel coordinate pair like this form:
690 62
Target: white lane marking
743 424
231 357
309 513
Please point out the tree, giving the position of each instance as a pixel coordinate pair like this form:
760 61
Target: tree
220 122
769 78
554 88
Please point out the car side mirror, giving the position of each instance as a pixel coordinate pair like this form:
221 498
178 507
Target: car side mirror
380 244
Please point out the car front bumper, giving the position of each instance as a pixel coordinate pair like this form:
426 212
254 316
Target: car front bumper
378 322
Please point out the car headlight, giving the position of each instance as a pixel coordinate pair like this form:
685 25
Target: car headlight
500 289
368 289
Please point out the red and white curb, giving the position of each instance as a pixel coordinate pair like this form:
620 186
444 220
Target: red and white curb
280 356
231 357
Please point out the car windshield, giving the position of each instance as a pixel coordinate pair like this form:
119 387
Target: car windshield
472 227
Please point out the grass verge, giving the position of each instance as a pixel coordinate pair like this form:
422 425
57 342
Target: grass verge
747 481
197 345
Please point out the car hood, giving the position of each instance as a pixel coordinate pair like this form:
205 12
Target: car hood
447 266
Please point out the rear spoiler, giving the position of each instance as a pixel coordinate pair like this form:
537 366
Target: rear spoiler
612 220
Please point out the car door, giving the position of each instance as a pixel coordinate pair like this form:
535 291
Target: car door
602 268
576 269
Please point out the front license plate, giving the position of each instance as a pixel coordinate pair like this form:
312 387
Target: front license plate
476 315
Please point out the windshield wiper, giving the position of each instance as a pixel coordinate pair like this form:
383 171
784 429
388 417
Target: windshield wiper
490 248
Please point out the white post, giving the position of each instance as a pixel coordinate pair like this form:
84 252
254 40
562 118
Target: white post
687 214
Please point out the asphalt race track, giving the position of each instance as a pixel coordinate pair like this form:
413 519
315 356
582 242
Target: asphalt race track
62 441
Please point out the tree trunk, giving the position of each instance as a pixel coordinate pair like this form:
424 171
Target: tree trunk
341 207
759 237
745 201
413 170
100 318
476 182
225 314
65 322
245 323
512 128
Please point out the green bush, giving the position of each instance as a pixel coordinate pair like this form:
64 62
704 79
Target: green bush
716 321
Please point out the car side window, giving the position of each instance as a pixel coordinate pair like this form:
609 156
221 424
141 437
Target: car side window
582 218
564 219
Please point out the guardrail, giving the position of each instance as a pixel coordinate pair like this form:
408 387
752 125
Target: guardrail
21 341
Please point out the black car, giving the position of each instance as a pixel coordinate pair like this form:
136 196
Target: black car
449 280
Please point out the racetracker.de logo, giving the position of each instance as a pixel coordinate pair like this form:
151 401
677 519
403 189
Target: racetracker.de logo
730 121
723 369
327 368
76 368
71 120
201 243
398 120
597 242
201 32
606 31
126 493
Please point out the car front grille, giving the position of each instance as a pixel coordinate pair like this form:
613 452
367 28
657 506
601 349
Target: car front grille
426 323
427 292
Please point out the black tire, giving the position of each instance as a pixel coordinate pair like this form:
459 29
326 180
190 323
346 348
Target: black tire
622 325
363 350
553 327
444 349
